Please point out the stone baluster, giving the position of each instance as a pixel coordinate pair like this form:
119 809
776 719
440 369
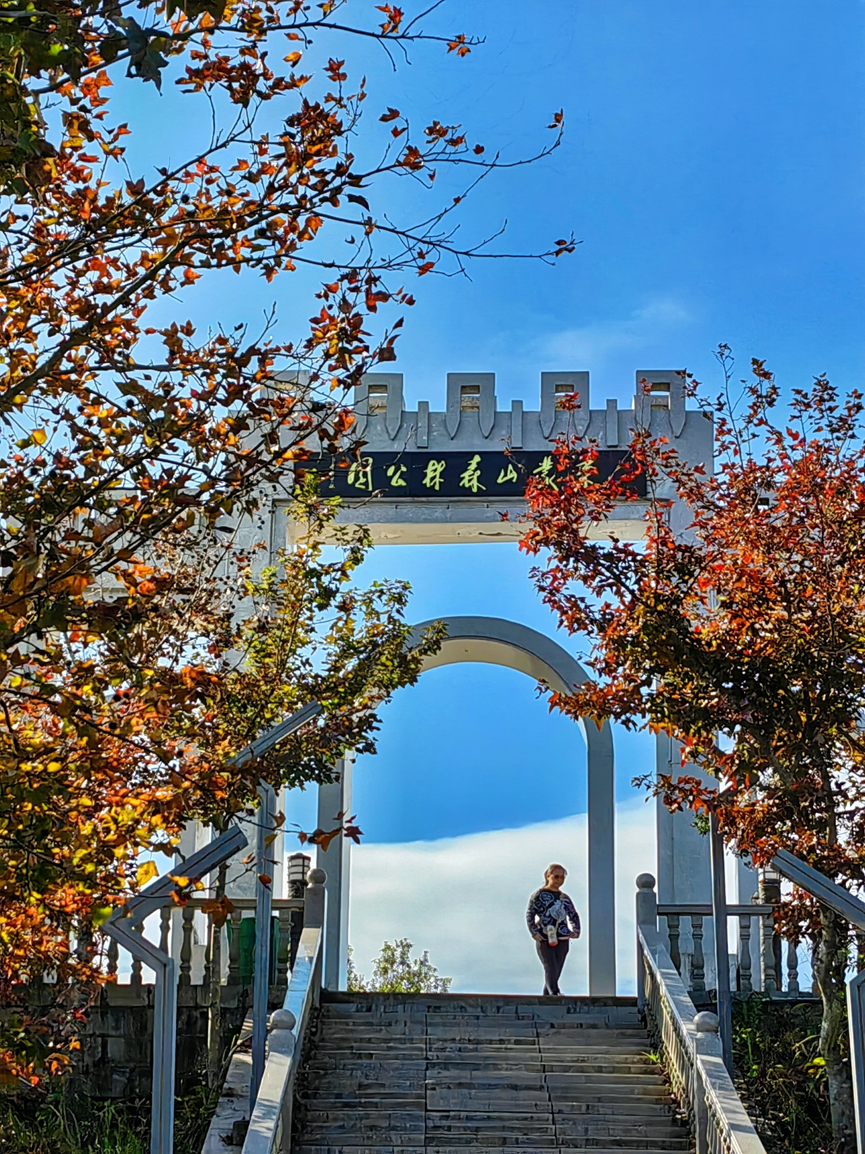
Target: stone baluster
745 982
647 918
233 978
792 967
186 947
135 976
767 954
209 932
698 969
283 948
769 890
113 955
165 928
673 931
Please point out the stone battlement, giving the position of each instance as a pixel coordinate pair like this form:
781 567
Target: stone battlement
472 419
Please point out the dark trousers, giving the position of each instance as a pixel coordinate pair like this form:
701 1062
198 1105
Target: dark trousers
553 960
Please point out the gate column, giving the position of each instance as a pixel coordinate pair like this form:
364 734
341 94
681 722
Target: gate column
334 799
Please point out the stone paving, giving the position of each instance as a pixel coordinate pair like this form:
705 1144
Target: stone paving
445 1074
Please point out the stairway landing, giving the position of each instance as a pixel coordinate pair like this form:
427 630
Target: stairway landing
452 1073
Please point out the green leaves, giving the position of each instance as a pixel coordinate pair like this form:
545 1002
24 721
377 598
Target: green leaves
395 971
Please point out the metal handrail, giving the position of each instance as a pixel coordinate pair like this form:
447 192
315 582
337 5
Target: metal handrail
270 1125
690 1046
705 909
852 909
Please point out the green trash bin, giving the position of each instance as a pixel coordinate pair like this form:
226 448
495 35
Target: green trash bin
246 944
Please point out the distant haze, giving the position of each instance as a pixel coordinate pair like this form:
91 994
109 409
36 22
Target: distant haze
464 898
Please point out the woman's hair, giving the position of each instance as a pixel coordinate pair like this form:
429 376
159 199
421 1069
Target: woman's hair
554 866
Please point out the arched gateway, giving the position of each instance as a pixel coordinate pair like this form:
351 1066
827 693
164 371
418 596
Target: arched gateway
494 641
459 475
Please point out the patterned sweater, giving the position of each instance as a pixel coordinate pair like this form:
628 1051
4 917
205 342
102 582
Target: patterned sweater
547 908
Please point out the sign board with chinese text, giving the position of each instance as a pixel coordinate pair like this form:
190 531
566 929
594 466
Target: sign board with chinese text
451 475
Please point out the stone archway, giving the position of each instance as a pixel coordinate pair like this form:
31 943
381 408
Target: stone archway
496 641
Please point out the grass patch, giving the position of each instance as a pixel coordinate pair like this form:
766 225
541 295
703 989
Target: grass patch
780 1074
66 1123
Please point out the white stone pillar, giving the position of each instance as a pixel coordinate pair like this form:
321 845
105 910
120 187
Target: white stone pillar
333 800
684 864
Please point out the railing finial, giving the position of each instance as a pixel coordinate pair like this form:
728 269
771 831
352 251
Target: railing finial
282 1019
313 899
707 1023
645 881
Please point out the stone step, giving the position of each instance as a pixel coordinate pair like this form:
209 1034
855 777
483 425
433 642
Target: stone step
552 1010
481 1074
462 1073
467 1069
613 1106
434 1025
509 1148
576 1096
525 1120
500 1143
594 1028
593 1041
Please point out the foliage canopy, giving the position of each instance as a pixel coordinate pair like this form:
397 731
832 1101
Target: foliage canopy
141 458
738 627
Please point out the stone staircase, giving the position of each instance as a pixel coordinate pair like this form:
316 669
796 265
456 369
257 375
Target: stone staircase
449 1073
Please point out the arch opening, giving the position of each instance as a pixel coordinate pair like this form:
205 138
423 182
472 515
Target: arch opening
496 641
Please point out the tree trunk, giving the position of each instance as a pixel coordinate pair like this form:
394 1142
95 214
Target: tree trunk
830 963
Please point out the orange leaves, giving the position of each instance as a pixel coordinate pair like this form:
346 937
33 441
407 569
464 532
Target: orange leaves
219 909
459 45
335 70
142 440
393 18
412 159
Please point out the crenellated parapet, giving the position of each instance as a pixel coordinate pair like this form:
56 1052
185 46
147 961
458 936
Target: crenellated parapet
460 473
472 419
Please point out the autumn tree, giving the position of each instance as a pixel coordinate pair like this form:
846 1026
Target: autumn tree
116 741
742 636
134 446
395 971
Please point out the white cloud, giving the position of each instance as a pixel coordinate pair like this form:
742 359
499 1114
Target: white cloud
592 344
464 899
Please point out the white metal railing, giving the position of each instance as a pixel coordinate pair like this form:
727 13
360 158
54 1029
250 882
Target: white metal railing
270 1125
764 962
689 1043
852 909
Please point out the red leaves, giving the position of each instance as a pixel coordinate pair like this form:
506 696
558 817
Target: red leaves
747 624
393 18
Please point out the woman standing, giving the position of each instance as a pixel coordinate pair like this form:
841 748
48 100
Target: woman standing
552 920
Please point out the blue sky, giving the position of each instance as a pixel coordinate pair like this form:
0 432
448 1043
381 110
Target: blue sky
712 169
